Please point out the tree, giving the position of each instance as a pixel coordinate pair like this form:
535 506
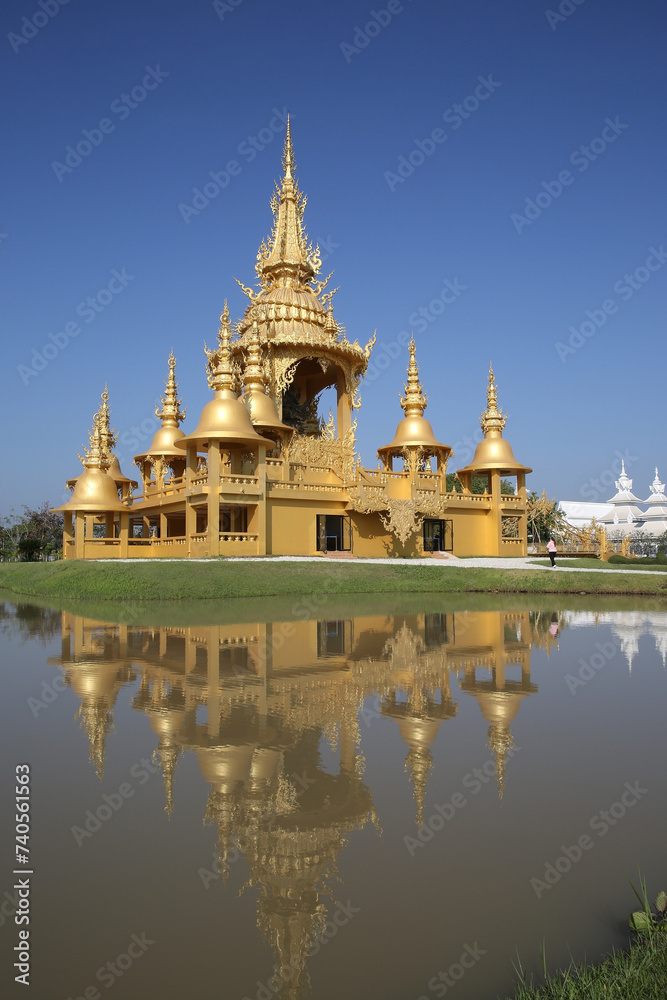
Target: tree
544 520
37 534
478 485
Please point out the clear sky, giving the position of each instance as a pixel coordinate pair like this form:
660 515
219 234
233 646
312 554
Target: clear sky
489 174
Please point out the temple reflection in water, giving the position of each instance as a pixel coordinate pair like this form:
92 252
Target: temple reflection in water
254 702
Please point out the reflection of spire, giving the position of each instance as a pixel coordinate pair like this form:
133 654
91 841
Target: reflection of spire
168 752
500 742
419 762
96 718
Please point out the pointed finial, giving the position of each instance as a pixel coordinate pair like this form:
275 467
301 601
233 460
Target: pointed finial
492 419
171 413
107 437
289 166
414 401
221 373
253 375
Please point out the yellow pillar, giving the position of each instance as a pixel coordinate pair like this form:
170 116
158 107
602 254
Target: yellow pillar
124 534
262 505
343 407
68 535
214 498
79 528
494 476
163 525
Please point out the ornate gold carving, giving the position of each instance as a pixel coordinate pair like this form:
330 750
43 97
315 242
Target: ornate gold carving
326 451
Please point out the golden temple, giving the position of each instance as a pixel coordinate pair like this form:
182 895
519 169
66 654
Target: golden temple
264 473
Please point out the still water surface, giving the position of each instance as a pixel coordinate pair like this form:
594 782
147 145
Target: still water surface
387 800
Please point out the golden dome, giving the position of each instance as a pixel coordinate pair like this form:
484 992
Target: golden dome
414 431
117 475
224 418
171 415
94 489
494 452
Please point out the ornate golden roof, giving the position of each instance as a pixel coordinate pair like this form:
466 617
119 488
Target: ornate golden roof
171 416
94 490
224 418
494 452
414 431
294 314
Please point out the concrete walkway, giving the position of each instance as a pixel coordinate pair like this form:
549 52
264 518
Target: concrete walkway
528 563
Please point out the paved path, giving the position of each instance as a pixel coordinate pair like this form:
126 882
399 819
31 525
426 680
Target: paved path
451 561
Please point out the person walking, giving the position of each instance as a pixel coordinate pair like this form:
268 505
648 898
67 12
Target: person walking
551 549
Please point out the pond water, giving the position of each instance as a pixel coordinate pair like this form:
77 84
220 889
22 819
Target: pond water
389 798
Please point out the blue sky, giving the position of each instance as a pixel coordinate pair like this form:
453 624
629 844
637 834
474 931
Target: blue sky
530 216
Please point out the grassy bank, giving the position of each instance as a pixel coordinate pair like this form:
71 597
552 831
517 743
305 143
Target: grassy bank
637 974
175 581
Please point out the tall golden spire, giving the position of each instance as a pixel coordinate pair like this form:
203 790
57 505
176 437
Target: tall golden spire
288 259
221 373
492 419
414 401
253 376
107 437
171 413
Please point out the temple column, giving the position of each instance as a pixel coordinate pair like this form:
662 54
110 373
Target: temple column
108 530
343 408
68 535
124 534
163 525
79 529
214 498
190 512
262 505
494 477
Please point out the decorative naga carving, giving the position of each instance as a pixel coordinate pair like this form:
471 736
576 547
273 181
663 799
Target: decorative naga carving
326 451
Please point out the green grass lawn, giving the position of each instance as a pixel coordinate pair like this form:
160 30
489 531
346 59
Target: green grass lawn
637 974
215 579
